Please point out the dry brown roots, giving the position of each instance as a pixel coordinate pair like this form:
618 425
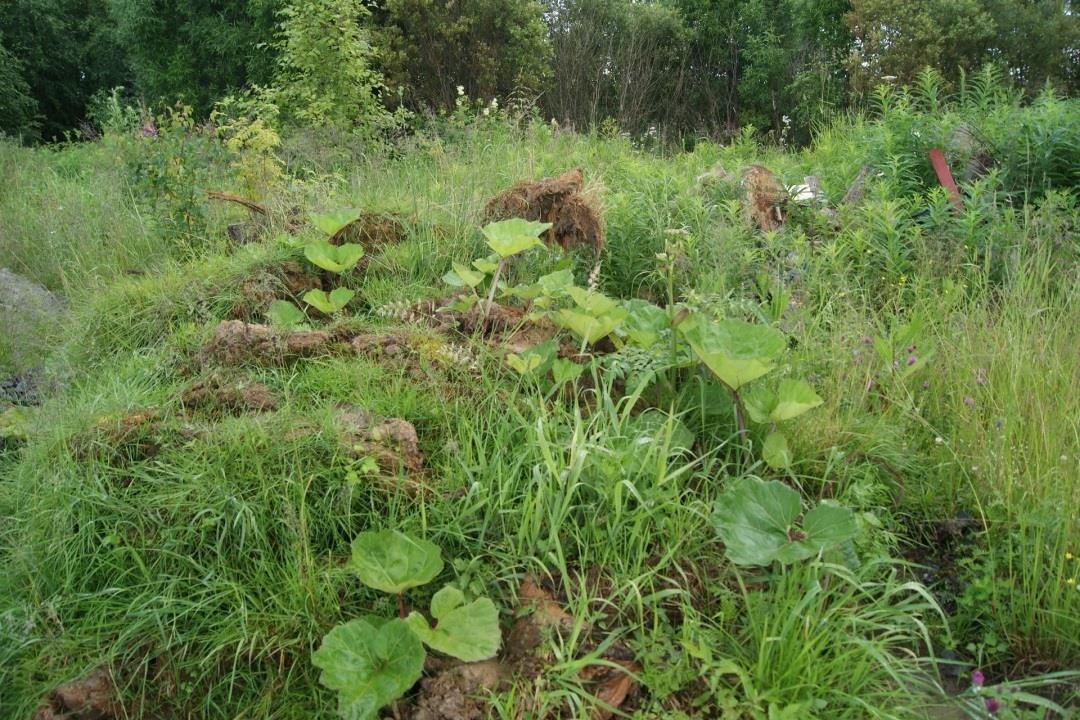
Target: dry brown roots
575 221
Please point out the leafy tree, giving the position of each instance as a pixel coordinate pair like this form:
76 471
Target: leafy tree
18 108
196 50
325 74
492 48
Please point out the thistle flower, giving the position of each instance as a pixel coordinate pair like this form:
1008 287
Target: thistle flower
912 359
977 678
969 401
992 705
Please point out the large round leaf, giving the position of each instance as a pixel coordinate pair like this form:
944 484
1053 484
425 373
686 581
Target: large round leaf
467 631
393 562
335 258
793 398
509 237
736 351
370 663
333 221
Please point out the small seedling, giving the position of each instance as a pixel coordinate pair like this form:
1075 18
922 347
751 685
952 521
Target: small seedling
329 303
335 258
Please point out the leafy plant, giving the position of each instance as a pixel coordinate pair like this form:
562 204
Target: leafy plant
329 303
283 313
335 258
333 221
372 661
758 522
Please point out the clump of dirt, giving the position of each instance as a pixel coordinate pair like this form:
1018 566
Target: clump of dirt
266 285
459 691
91 697
391 442
235 342
218 394
372 230
765 196
575 220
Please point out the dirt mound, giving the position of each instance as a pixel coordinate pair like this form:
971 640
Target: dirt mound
459 691
91 697
765 196
372 230
575 220
238 343
265 286
216 394
391 442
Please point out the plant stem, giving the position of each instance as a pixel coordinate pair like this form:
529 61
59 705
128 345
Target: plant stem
740 421
494 284
401 605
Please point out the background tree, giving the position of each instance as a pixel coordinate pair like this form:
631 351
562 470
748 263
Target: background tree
493 48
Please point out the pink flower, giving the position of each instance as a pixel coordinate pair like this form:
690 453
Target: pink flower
977 678
912 359
969 401
992 705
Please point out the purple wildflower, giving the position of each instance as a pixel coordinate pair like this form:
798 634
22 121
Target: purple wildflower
969 401
980 376
912 359
977 678
992 705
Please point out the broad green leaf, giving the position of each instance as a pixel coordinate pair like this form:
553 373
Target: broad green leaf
644 322
370 664
523 364
331 222
587 327
393 562
486 265
335 258
793 398
736 351
472 278
469 632
756 521
556 282
759 402
452 279
775 452
329 303
283 313
510 237
594 303
564 370
461 303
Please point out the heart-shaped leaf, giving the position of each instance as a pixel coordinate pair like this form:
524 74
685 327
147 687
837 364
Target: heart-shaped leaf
775 452
333 221
587 327
469 632
510 237
486 265
593 303
284 314
329 303
757 522
335 258
759 401
524 364
393 562
370 662
644 322
564 370
736 351
793 398
472 278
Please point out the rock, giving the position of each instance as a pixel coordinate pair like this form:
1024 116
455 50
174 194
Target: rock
27 312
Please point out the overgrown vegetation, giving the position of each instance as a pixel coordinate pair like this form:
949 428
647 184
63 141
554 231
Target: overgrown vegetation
825 470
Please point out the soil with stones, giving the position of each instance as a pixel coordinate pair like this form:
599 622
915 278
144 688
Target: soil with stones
391 442
575 220
218 394
91 697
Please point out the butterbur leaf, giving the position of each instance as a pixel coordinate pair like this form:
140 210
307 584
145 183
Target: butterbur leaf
593 303
736 351
486 265
775 452
283 313
469 632
335 258
370 663
461 303
472 278
564 370
510 237
793 398
393 562
759 402
644 322
556 282
756 521
329 303
333 221
523 364
588 327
